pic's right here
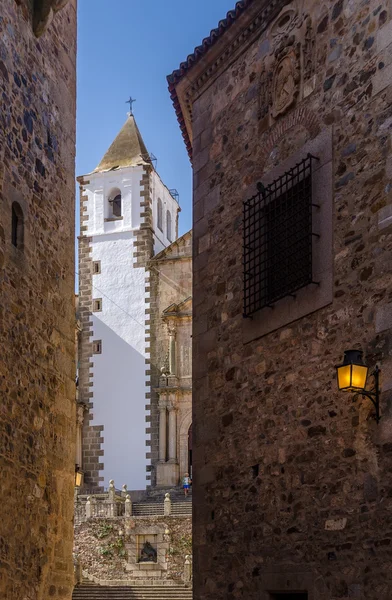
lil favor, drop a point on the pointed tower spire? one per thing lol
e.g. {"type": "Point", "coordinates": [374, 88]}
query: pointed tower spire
{"type": "Point", "coordinates": [127, 150]}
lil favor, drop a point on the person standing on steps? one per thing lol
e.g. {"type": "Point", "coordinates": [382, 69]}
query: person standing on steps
{"type": "Point", "coordinates": [186, 482]}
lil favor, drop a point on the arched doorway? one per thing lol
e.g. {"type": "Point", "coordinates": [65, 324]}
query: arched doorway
{"type": "Point", "coordinates": [190, 451]}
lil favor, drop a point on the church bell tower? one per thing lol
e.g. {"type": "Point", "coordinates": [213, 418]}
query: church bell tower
{"type": "Point", "coordinates": [127, 216]}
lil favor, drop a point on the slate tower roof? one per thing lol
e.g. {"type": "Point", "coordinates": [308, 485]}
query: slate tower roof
{"type": "Point", "coordinates": [127, 150]}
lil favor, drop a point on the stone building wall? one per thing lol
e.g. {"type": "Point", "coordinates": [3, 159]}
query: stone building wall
{"type": "Point", "coordinates": [37, 361]}
{"type": "Point", "coordinates": [170, 312]}
{"type": "Point", "coordinates": [105, 550]}
{"type": "Point", "coordinates": [292, 485]}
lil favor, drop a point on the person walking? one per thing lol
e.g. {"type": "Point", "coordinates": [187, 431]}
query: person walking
{"type": "Point", "coordinates": [186, 482]}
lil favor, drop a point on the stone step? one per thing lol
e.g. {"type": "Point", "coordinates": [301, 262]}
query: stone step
{"type": "Point", "coordinates": [88, 592]}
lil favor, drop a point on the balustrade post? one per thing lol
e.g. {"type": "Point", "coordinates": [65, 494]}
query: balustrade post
{"type": "Point", "coordinates": [111, 491]}
{"type": "Point", "coordinates": [188, 569]}
{"type": "Point", "coordinates": [167, 505]}
{"type": "Point", "coordinates": [128, 506]}
{"type": "Point", "coordinates": [88, 508]}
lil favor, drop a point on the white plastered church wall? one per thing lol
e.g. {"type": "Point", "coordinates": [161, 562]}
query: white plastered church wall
{"type": "Point", "coordinates": [160, 191]}
{"type": "Point", "coordinates": [118, 373]}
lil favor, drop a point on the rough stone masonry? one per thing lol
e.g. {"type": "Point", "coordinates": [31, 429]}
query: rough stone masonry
{"type": "Point", "coordinates": [37, 370]}
{"type": "Point", "coordinates": [292, 479]}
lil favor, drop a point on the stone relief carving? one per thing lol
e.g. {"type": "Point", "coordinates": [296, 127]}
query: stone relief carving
{"type": "Point", "coordinates": [289, 18]}
{"type": "Point", "coordinates": [81, 408]}
{"type": "Point", "coordinates": [308, 51]}
{"type": "Point", "coordinates": [44, 11]}
{"type": "Point", "coordinates": [286, 77]}
{"type": "Point", "coordinates": [288, 70]}
{"type": "Point", "coordinates": [264, 93]}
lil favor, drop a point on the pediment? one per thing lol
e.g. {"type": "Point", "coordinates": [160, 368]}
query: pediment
{"type": "Point", "coordinates": [183, 309]}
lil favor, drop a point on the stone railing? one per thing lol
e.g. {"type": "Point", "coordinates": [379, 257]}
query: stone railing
{"type": "Point", "coordinates": [119, 504]}
{"type": "Point", "coordinates": [110, 504]}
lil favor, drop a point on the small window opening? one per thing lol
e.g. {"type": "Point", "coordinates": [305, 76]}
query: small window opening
{"type": "Point", "coordinates": [97, 346]}
{"type": "Point", "coordinates": [255, 471]}
{"type": "Point", "coordinates": [17, 226]}
{"type": "Point", "coordinates": [168, 226]}
{"type": "Point", "coordinates": [97, 305]}
{"type": "Point", "coordinates": [97, 267]}
{"type": "Point", "coordinates": [115, 202]}
{"type": "Point", "coordinates": [160, 215]}
{"type": "Point", "coordinates": [117, 206]}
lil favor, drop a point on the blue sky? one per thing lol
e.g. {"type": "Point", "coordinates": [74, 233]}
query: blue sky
{"type": "Point", "coordinates": [127, 47]}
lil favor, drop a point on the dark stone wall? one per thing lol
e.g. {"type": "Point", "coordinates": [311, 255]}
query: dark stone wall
{"type": "Point", "coordinates": [292, 484]}
{"type": "Point", "coordinates": [37, 334]}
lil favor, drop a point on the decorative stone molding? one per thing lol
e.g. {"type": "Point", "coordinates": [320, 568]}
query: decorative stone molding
{"type": "Point", "coordinates": [308, 57]}
{"type": "Point", "coordinates": [291, 17]}
{"type": "Point", "coordinates": [42, 12]}
{"type": "Point", "coordinates": [302, 115]}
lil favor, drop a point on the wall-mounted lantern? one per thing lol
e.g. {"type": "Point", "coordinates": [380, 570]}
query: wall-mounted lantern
{"type": "Point", "coordinates": [78, 476]}
{"type": "Point", "coordinates": [352, 376]}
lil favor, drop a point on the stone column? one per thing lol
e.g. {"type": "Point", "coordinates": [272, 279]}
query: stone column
{"type": "Point", "coordinates": [172, 350]}
{"type": "Point", "coordinates": [172, 433]}
{"type": "Point", "coordinates": [79, 427]}
{"type": "Point", "coordinates": [162, 429]}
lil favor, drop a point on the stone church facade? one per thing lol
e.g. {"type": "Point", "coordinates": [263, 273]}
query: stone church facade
{"type": "Point", "coordinates": [37, 361]}
{"type": "Point", "coordinates": [134, 314]}
{"type": "Point", "coordinates": [286, 110]}
{"type": "Point", "coordinates": [170, 278]}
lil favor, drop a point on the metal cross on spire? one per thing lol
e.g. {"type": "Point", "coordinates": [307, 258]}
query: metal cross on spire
{"type": "Point", "coordinates": [130, 102]}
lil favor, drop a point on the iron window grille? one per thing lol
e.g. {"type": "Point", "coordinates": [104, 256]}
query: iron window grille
{"type": "Point", "coordinates": [278, 238]}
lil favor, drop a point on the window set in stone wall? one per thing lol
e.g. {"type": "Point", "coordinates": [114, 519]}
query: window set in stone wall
{"type": "Point", "coordinates": [278, 232]}
{"type": "Point", "coordinates": [287, 244]}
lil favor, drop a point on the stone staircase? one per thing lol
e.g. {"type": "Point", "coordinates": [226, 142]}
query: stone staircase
{"type": "Point", "coordinates": [154, 509]}
{"type": "Point", "coordinates": [142, 592]}
{"type": "Point", "coordinates": [158, 495]}
{"type": "Point", "coordinates": [152, 505]}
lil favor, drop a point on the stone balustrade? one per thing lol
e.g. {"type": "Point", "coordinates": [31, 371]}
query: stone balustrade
{"type": "Point", "coordinates": [114, 503]}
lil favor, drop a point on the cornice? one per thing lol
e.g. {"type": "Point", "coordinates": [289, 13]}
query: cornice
{"type": "Point", "coordinates": [217, 52]}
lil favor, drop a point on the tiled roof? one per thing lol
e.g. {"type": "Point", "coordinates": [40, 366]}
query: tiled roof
{"type": "Point", "coordinates": [197, 54]}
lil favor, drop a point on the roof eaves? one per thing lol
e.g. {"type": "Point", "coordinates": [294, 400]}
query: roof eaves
{"type": "Point", "coordinates": [198, 53]}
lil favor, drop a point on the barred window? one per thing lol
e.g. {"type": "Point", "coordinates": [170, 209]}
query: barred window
{"type": "Point", "coordinates": [278, 238]}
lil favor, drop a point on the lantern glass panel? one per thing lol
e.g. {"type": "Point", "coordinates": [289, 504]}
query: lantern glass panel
{"type": "Point", "coordinates": [359, 376]}
{"type": "Point", "coordinates": [78, 479]}
{"type": "Point", "coordinates": [344, 377]}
